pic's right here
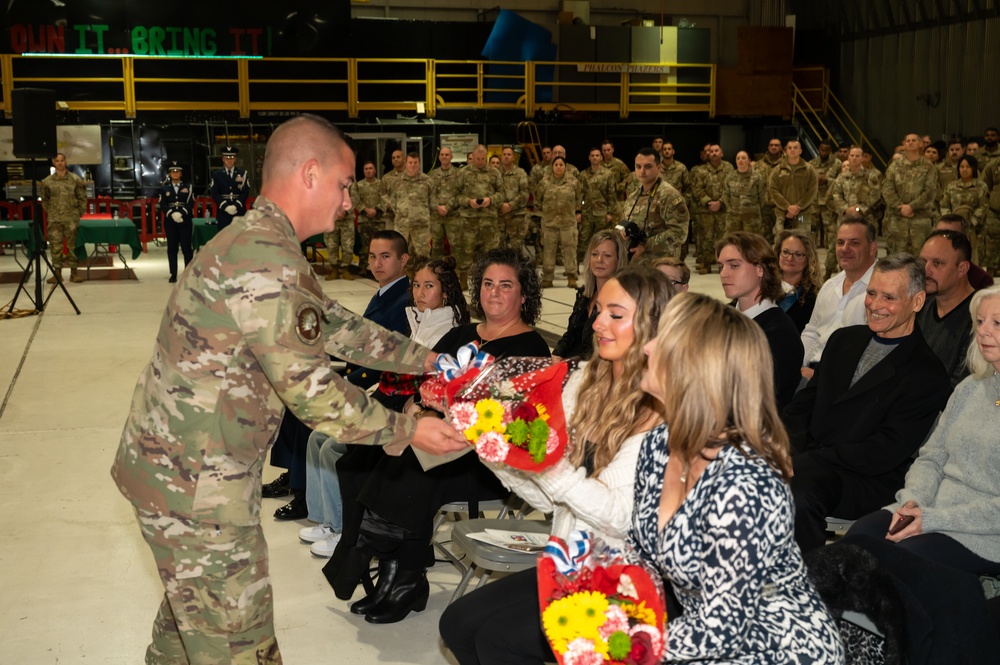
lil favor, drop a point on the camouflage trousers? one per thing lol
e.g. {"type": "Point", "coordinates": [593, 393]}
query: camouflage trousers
{"type": "Point", "coordinates": [829, 220]}
{"type": "Point", "coordinates": [709, 228]}
{"type": "Point", "coordinates": [989, 248]}
{"type": "Point", "coordinates": [512, 228]}
{"type": "Point", "coordinates": [340, 243]}
{"type": "Point", "coordinates": [476, 235]}
{"type": "Point", "coordinates": [437, 230]}
{"type": "Point", "coordinates": [417, 233]}
{"type": "Point", "coordinates": [748, 220]}
{"type": "Point", "coordinates": [58, 232]}
{"type": "Point", "coordinates": [366, 227]}
{"type": "Point", "coordinates": [589, 225]}
{"type": "Point", "coordinates": [906, 234]}
{"type": "Point", "coordinates": [556, 233]}
{"type": "Point", "coordinates": [766, 213]}
{"type": "Point", "coordinates": [218, 607]}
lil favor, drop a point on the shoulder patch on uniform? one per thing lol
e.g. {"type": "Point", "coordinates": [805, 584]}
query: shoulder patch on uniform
{"type": "Point", "coordinates": [307, 323]}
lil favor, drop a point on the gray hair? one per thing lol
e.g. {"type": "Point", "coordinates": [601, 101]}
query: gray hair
{"type": "Point", "coordinates": [978, 365]}
{"type": "Point", "coordinates": [911, 265]}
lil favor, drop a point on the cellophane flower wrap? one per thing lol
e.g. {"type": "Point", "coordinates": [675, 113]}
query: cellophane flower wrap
{"type": "Point", "coordinates": [598, 605]}
{"type": "Point", "coordinates": [510, 409]}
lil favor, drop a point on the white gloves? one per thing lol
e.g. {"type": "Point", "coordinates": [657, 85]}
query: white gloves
{"type": "Point", "coordinates": [177, 216]}
{"type": "Point", "coordinates": [231, 209]}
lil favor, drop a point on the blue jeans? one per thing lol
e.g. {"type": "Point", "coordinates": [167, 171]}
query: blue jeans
{"type": "Point", "coordinates": [322, 485]}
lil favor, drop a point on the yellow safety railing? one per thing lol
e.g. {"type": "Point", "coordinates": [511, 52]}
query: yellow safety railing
{"type": "Point", "coordinates": [127, 85]}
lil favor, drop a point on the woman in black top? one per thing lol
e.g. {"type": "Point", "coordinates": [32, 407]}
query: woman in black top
{"type": "Point", "coordinates": [800, 279]}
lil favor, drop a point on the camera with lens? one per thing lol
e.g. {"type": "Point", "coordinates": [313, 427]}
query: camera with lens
{"type": "Point", "coordinates": [634, 236]}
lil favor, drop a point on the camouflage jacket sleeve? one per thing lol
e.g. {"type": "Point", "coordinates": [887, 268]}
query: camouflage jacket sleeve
{"type": "Point", "coordinates": [699, 185]}
{"type": "Point", "coordinates": [356, 202]}
{"type": "Point", "coordinates": [777, 198]}
{"type": "Point", "coordinates": [809, 196]}
{"type": "Point", "coordinates": [925, 200]}
{"type": "Point", "coordinates": [673, 218]}
{"type": "Point", "coordinates": [80, 190]}
{"type": "Point", "coordinates": [44, 194]}
{"type": "Point", "coordinates": [520, 200]}
{"type": "Point", "coordinates": [983, 198]}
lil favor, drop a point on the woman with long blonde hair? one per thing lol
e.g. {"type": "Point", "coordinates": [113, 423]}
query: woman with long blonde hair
{"type": "Point", "coordinates": [713, 509]}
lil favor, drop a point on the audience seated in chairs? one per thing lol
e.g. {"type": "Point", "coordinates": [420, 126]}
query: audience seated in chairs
{"type": "Point", "coordinates": [857, 424]}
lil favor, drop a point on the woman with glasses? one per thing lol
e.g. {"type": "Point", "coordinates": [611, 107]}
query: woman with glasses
{"type": "Point", "coordinates": [800, 280]}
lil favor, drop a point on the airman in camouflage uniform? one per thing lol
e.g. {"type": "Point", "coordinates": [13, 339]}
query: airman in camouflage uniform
{"type": "Point", "coordinates": [910, 193]}
{"type": "Point", "coordinates": [827, 169]}
{"type": "Point", "coordinates": [623, 177]}
{"type": "Point", "coordinates": [479, 188]}
{"type": "Point", "coordinates": [385, 189]}
{"type": "Point", "coordinates": [513, 223]}
{"type": "Point", "coordinates": [340, 244]}
{"type": "Point", "coordinates": [561, 196]}
{"type": "Point", "coordinates": [533, 240]}
{"type": "Point", "coordinates": [677, 174]}
{"type": "Point", "coordinates": [245, 334]}
{"type": "Point", "coordinates": [657, 209]}
{"type": "Point", "coordinates": [743, 196]}
{"type": "Point", "coordinates": [948, 167]}
{"type": "Point", "coordinates": [990, 152]}
{"type": "Point", "coordinates": [367, 198]}
{"type": "Point", "coordinates": [969, 199]}
{"type": "Point", "coordinates": [793, 186]}
{"type": "Point", "coordinates": [768, 161]}
{"type": "Point", "coordinates": [989, 248]}
{"type": "Point", "coordinates": [64, 199]}
{"type": "Point", "coordinates": [600, 202]}
{"type": "Point", "coordinates": [855, 187]}
{"type": "Point", "coordinates": [445, 219]}
{"type": "Point", "coordinates": [707, 184]}
{"type": "Point", "coordinates": [412, 197]}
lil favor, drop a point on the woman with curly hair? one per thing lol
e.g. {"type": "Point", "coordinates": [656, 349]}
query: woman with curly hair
{"type": "Point", "coordinates": [800, 278]}
{"type": "Point", "coordinates": [591, 488]}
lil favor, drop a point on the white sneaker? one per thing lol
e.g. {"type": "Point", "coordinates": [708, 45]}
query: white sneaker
{"type": "Point", "coordinates": [311, 534]}
{"type": "Point", "coordinates": [324, 548]}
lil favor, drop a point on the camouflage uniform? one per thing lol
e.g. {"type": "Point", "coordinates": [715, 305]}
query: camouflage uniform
{"type": "Point", "coordinates": [968, 199]}
{"type": "Point", "coordinates": [412, 197]}
{"type": "Point", "coordinates": [479, 226]}
{"type": "Point", "coordinates": [793, 185]}
{"type": "Point", "coordinates": [533, 239]}
{"type": "Point", "coordinates": [621, 174]}
{"type": "Point", "coordinates": [679, 178]}
{"type": "Point", "coordinates": [64, 199]}
{"type": "Point", "coordinates": [451, 224]}
{"type": "Point", "coordinates": [860, 190]}
{"type": "Point", "coordinates": [764, 166]}
{"type": "Point", "coordinates": [989, 247]}
{"type": "Point", "coordinates": [663, 215]}
{"type": "Point", "coordinates": [513, 226]}
{"type": "Point", "coordinates": [986, 157]}
{"type": "Point", "coordinates": [743, 195]}
{"type": "Point", "coordinates": [599, 199]}
{"type": "Point", "coordinates": [246, 333]}
{"type": "Point", "coordinates": [915, 183]}
{"type": "Point", "coordinates": [947, 174]}
{"type": "Point", "coordinates": [561, 198]}
{"type": "Point", "coordinates": [385, 192]}
{"type": "Point", "coordinates": [365, 194]}
{"type": "Point", "coordinates": [707, 184]}
{"type": "Point", "coordinates": [340, 242]}
{"type": "Point", "coordinates": [824, 219]}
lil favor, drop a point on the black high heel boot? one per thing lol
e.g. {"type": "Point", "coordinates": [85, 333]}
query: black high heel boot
{"type": "Point", "coordinates": [387, 569]}
{"type": "Point", "coordinates": [347, 568]}
{"type": "Point", "coordinates": [409, 593]}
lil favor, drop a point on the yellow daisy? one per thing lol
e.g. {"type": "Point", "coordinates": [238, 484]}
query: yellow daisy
{"type": "Point", "coordinates": [542, 413]}
{"type": "Point", "coordinates": [640, 613]}
{"type": "Point", "coordinates": [490, 415]}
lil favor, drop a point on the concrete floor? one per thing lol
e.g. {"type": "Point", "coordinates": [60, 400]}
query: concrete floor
{"type": "Point", "coordinates": [79, 582]}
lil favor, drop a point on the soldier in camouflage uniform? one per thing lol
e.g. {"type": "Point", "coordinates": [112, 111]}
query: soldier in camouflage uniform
{"type": "Point", "coordinates": [707, 184]}
{"type": "Point", "coordinates": [910, 193]}
{"type": "Point", "coordinates": [533, 240]}
{"type": "Point", "coordinates": [827, 169]}
{"type": "Point", "coordinates": [657, 209]}
{"type": "Point", "coordinates": [412, 197]}
{"type": "Point", "coordinates": [600, 201]}
{"type": "Point", "coordinates": [340, 242]}
{"type": "Point", "coordinates": [445, 219]}
{"type": "Point", "coordinates": [793, 187]}
{"type": "Point", "coordinates": [948, 166]}
{"type": "Point", "coordinates": [64, 199]}
{"type": "Point", "coordinates": [676, 173]}
{"type": "Point", "coordinates": [743, 196]}
{"type": "Point", "coordinates": [561, 196]}
{"type": "Point", "coordinates": [478, 191]}
{"type": "Point", "coordinates": [768, 161]}
{"type": "Point", "coordinates": [856, 187]}
{"type": "Point", "coordinates": [989, 247]}
{"type": "Point", "coordinates": [245, 334]}
{"type": "Point", "coordinates": [623, 177]}
{"type": "Point", "coordinates": [990, 152]}
{"type": "Point", "coordinates": [385, 190]}
{"type": "Point", "coordinates": [513, 224]}
{"type": "Point", "coordinates": [367, 198]}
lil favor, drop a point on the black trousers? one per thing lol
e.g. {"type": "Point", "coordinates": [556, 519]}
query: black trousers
{"type": "Point", "coordinates": [178, 237]}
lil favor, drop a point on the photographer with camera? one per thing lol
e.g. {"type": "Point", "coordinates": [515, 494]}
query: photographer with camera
{"type": "Point", "coordinates": [655, 216]}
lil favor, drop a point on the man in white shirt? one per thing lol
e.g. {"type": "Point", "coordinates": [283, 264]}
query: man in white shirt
{"type": "Point", "coordinates": [841, 300]}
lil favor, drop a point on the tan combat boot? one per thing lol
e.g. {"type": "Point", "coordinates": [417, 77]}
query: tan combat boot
{"type": "Point", "coordinates": [345, 273]}
{"type": "Point", "coordinates": [333, 274]}
{"type": "Point", "coordinates": [56, 277]}
{"type": "Point", "coordinates": [74, 276]}
{"type": "Point", "coordinates": [571, 281]}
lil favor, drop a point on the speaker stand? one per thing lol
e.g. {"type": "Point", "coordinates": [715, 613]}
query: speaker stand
{"type": "Point", "coordinates": [35, 258]}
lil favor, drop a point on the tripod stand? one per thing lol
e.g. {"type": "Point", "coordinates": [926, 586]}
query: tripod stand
{"type": "Point", "coordinates": [36, 254]}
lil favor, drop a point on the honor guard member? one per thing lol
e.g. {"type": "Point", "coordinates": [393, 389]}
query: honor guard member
{"type": "Point", "coordinates": [412, 197]}
{"type": "Point", "coordinates": [367, 198]}
{"type": "Point", "coordinates": [513, 224]}
{"type": "Point", "coordinates": [827, 169]}
{"type": "Point", "coordinates": [657, 210]}
{"type": "Point", "coordinates": [707, 183]}
{"type": "Point", "coordinates": [764, 166]}
{"type": "Point", "coordinates": [64, 199]}
{"type": "Point", "coordinates": [624, 180]}
{"type": "Point", "coordinates": [793, 186]}
{"type": "Point", "coordinates": [743, 196]}
{"type": "Point", "coordinates": [230, 188]}
{"type": "Point", "coordinates": [445, 220]}
{"type": "Point", "coordinates": [388, 180]}
{"type": "Point", "coordinates": [244, 336]}
{"type": "Point", "coordinates": [910, 190]}
{"type": "Point", "coordinates": [479, 189]}
{"type": "Point", "coordinates": [856, 188]}
{"type": "Point", "coordinates": [600, 201]}
{"type": "Point", "coordinates": [177, 206]}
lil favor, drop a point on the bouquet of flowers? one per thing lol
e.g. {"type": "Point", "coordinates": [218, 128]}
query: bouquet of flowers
{"type": "Point", "coordinates": [596, 607]}
{"type": "Point", "coordinates": [510, 409]}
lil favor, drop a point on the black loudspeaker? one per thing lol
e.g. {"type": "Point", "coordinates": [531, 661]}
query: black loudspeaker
{"type": "Point", "coordinates": [34, 115]}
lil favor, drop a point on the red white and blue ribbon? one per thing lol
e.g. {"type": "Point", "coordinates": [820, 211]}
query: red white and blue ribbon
{"type": "Point", "coordinates": [569, 555]}
{"type": "Point", "coordinates": [468, 357]}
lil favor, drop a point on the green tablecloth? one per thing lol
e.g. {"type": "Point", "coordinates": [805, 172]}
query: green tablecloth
{"type": "Point", "coordinates": [107, 232]}
{"type": "Point", "coordinates": [15, 231]}
{"type": "Point", "coordinates": [205, 229]}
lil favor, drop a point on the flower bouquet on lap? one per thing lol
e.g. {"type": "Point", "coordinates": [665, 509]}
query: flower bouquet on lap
{"type": "Point", "coordinates": [598, 607]}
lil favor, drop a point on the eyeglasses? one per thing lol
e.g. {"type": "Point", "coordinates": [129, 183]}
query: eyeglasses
{"type": "Point", "coordinates": [676, 283]}
{"type": "Point", "coordinates": [798, 256]}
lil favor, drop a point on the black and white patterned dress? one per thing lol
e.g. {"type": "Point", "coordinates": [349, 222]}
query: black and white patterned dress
{"type": "Point", "coordinates": [730, 556]}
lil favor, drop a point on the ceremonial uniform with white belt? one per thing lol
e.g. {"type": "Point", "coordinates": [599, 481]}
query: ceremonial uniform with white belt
{"type": "Point", "coordinates": [177, 206]}
{"type": "Point", "coordinates": [230, 189]}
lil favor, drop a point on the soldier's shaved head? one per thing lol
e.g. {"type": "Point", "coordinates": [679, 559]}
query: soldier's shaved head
{"type": "Point", "coordinates": [297, 140]}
